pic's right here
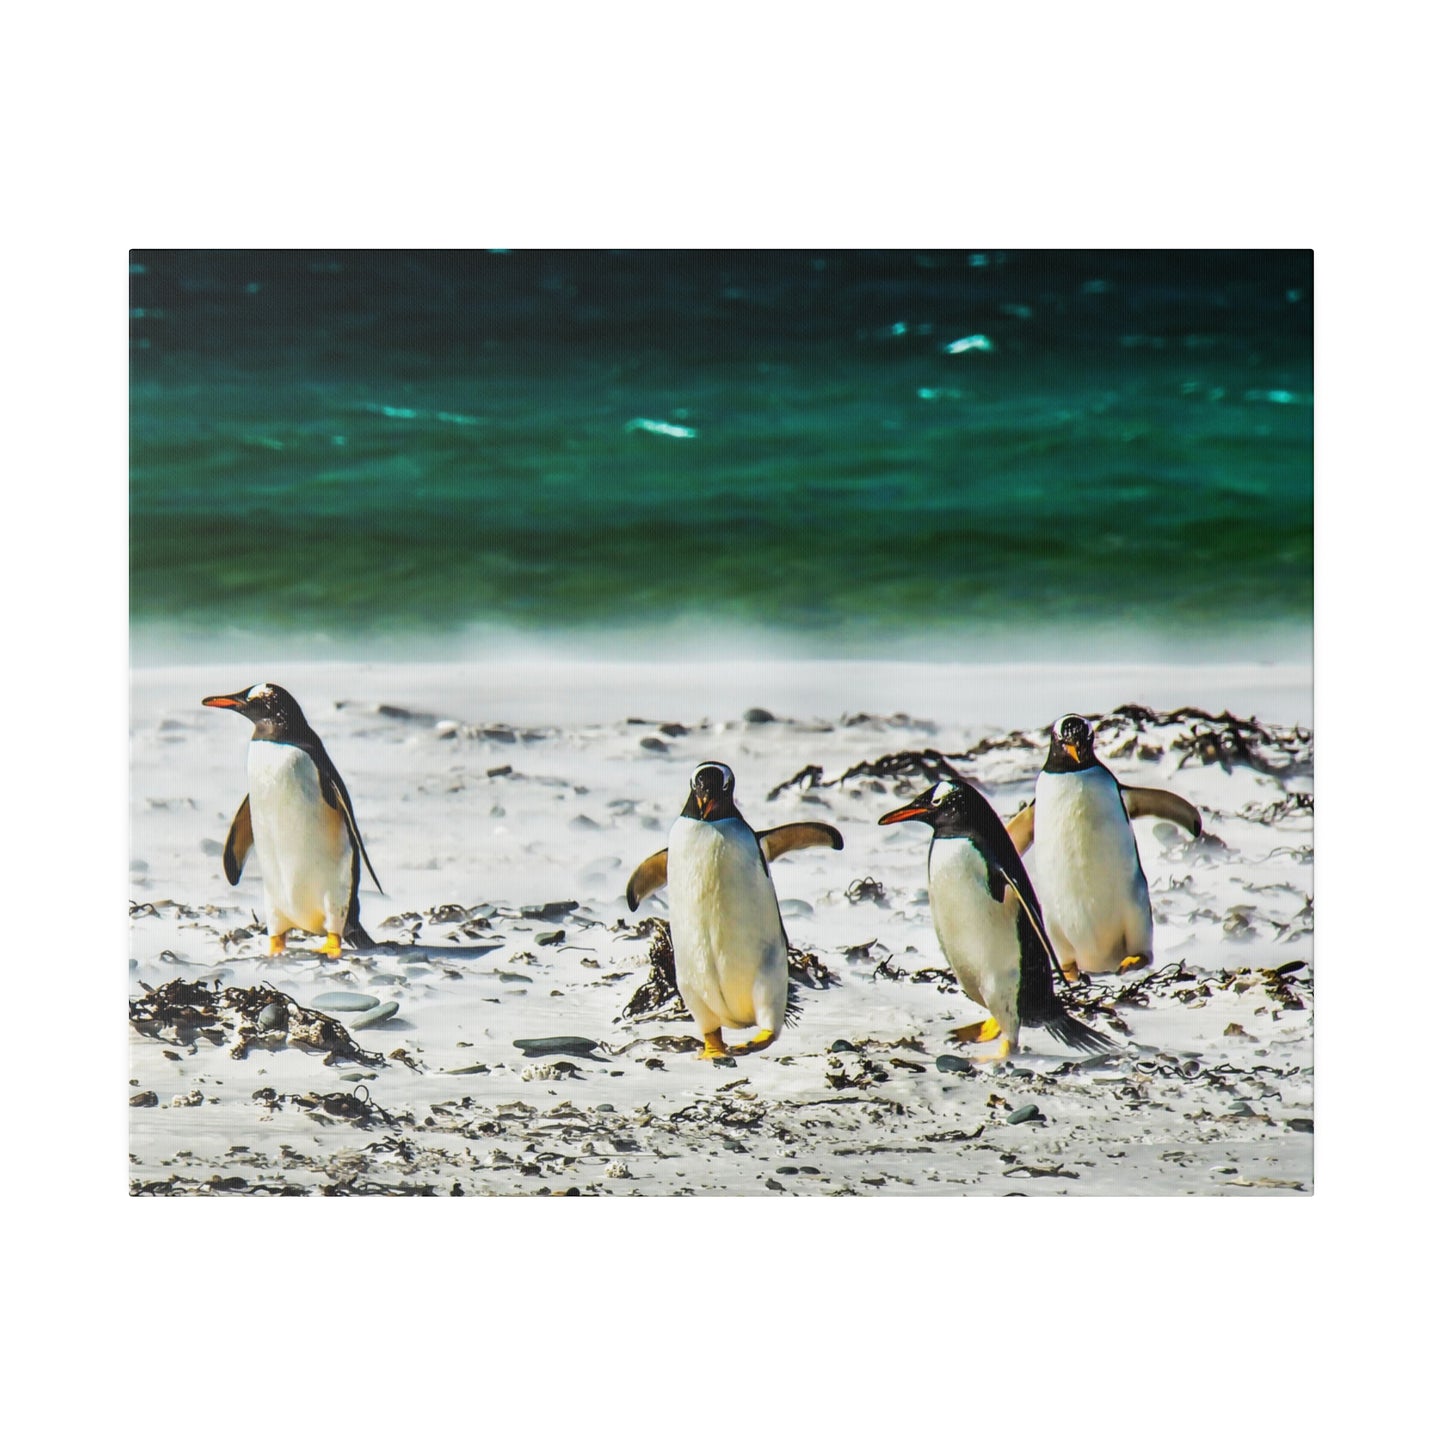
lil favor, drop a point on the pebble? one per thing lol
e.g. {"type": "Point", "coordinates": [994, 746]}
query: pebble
{"type": "Point", "coordinates": [1301, 1126]}
{"type": "Point", "coordinates": [653, 745]}
{"type": "Point", "coordinates": [373, 1016]}
{"type": "Point", "coordinates": [273, 1016]}
{"type": "Point", "coordinates": [842, 1046]}
{"type": "Point", "coordinates": [355, 1076]}
{"type": "Point", "coordinates": [550, 912]}
{"type": "Point", "coordinates": [607, 1108]}
{"type": "Point", "coordinates": [555, 936]}
{"type": "Point", "coordinates": [345, 1002]}
{"type": "Point", "coordinates": [952, 1064]}
{"type": "Point", "coordinates": [147, 1100]}
{"type": "Point", "coordinates": [562, 1044]}
{"type": "Point", "coordinates": [758, 715]}
{"type": "Point", "coordinates": [796, 908]}
{"type": "Point", "coordinates": [1024, 1113]}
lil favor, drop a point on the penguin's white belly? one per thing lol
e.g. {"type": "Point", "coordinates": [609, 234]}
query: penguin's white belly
{"type": "Point", "coordinates": [978, 934]}
{"type": "Point", "coordinates": [1086, 869]}
{"type": "Point", "coordinates": [727, 937]}
{"type": "Point", "coordinates": [301, 844]}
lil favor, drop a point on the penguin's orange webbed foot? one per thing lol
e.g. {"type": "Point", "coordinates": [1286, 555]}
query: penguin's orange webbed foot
{"type": "Point", "coordinates": [1135, 960]}
{"type": "Point", "coordinates": [713, 1046]}
{"type": "Point", "coordinates": [1004, 1050]}
{"type": "Point", "coordinates": [979, 1033]}
{"type": "Point", "coordinates": [1070, 971]}
{"type": "Point", "coordinates": [758, 1042]}
{"type": "Point", "coordinates": [277, 944]}
{"type": "Point", "coordinates": [332, 947]}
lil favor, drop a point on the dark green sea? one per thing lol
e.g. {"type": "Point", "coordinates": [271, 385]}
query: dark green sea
{"type": "Point", "coordinates": [843, 452]}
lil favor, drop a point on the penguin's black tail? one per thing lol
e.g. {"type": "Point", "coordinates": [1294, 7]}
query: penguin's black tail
{"type": "Point", "coordinates": [357, 936]}
{"type": "Point", "coordinates": [1075, 1035]}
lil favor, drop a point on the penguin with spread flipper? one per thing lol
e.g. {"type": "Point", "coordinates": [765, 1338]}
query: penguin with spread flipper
{"type": "Point", "coordinates": [1086, 862]}
{"type": "Point", "coordinates": [728, 941]}
{"type": "Point", "coordinates": [988, 921]}
{"type": "Point", "coordinates": [298, 818]}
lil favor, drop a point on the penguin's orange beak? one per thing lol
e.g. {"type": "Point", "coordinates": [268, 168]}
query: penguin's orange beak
{"type": "Point", "coordinates": [1073, 750]}
{"type": "Point", "coordinates": [220, 702]}
{"type": "Point", "coordinates": [902, 815]}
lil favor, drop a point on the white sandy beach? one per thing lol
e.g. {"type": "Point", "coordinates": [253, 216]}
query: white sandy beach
{"type": "Point", "coordinates": [485, 792]}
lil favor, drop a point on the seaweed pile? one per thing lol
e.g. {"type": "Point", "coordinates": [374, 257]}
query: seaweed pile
{"type": "Point", "coordinates": [182, 1011]}
{"type": "Point", "coordinates": [1189, 735]}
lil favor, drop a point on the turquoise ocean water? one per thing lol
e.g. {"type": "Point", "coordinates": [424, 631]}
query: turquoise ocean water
{"type": "Point", "coordinates": [1033, 453]}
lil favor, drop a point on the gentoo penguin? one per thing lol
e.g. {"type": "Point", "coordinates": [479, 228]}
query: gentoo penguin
{"type": "Point", "coordinates": [298, 816]}
{"type": "Point", "coordinates": [988, 920]}
{"type": "Point", "coordinates": [727, 934]}
{"type": "Point", "coordinates": [1086, 863]}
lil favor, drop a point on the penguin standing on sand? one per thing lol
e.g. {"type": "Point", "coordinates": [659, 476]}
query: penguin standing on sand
{"type": "Point", "coordinates": [298, 817]}
{"type": "Point", "coordinates": [727, 933]}
{"type": "Point", "coordinates": [988, 921]}
{"type": "Point", "coordinates": [1086, 862]}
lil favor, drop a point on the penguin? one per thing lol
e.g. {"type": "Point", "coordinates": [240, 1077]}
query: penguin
{"type": "Point", "coordinates": [727, 933]}
{"type": "Point", "coordinates": [988, 921]}
{"type": "Point", "coordinates": [1086, 862]}
{"type": "Point", "coordinates": [298, 817]}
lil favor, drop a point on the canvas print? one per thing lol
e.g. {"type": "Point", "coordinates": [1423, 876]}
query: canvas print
{"type": "Point", "coordinates": [738, 723]}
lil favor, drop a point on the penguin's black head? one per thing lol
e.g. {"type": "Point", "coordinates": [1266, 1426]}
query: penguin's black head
{"type": "Point", "coordinates": [710, 796]}
{"type": "Point", "coordinates": [1071, 745]}
{"type": "Point", "coordinates": [274, 711]}
{"type": "Point", "coordinates": [944, 807]}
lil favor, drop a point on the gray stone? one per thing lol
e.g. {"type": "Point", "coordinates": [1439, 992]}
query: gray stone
{"type": "Point", "coordinates": [1024, 1113]}
{"type": "Point", "coordinates": [562, 1044]}
{"type": "Point", "coordinates": [273, 1016]}
{"type": "Point", "coordinates": [344, 1002]}
{"type": "Point", "coordinates": [842, 1046]}
{"type": "Point", "coordinates": [374, 1016]}
{"type": "Point", "coordinates": [952, 1064]}
{"type": "Point", "coordinates": [758, 715]}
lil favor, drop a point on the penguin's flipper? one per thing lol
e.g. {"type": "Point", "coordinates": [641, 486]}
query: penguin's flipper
{"type": "Point", "coordinates": [792, 836]}
{"type": "Point", "coordinates": [333, 790]}
{"type": "Point", "coordinates": [1030, 911]}
{"type": "Point", "coordinates": [1158, 803]}
{"type": "Point", "coordinates": [238, 842]}
{"type": "Point", "coordinates": [647, 877]}
{"type": "Point", "coordinates": [1021, 828]}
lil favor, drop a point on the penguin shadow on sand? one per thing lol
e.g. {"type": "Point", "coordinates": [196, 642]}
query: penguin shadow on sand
{"type": "Point", "coordinates": [728, 940]}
